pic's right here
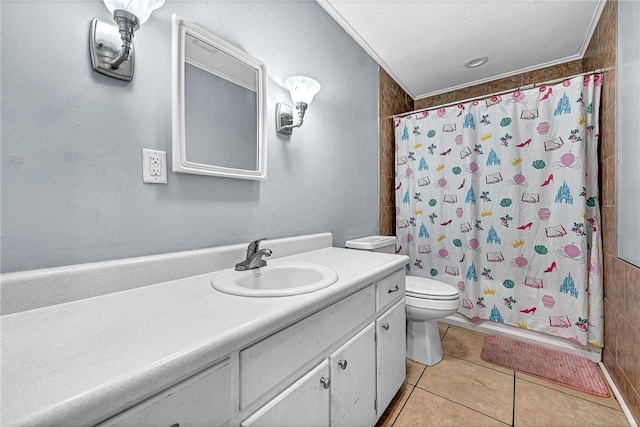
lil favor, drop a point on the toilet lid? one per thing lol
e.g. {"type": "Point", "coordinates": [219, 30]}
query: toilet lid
{"type": "Point", "coordinates": [421, 287]}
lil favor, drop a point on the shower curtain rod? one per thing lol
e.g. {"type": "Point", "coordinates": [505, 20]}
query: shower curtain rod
{"type": "Point", "coordinates": [525, 87]}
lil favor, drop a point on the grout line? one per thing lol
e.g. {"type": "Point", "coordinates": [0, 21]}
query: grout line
{"type": "Point", "coordinates": [458, 403]}
{"type": "Point", "coordinates": [483, 366]}
{"type": "Point", "coordinates": [613, 105]}
{"type": "Point", "coordinates": [403, 405]}
{"type": "Point", "coordinates": [607, 158]}
{"type": "Point", "coordinates": [464, 406]}
{"type": "Point", "coordinates": [445, 332]}
{"type": "Point", "coordinates": [573, 395]}
{"type": "Point", "coordinates": [421, 374]}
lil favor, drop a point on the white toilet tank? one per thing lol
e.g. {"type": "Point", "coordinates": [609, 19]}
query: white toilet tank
{"type": "Point", "coordinates": [385, 244]}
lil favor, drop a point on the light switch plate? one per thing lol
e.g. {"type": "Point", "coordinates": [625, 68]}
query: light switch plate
{"type": "Point", "coordinates": [154, 166]}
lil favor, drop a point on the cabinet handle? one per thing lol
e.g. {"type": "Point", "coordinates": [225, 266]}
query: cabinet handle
{"type": "Point", "coordinates": [396, 289]}
{"type": "Point", "coordinates": [326, 382]}
{"type": "Point", "coordinates": [342, 363]}
{"type": "Point", "coordinates": [385, 326]}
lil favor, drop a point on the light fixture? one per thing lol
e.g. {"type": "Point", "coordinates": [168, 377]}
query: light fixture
{"type": "Point", "coordinates": [111, 46]}
{"type": "Point", "coordinates": [302, 90]}
{"type": "Point", "coordinates": [476, 62]}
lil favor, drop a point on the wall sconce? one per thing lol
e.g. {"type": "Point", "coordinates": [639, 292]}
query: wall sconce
{"type": "Point", "coordinates": [111, 49]}
{"type": "Point", "coordinates": [302, 90]}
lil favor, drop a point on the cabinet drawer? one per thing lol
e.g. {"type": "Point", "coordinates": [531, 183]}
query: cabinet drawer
{"type": "Point", "coordinates": [202, 400]}
{"type": "Point", "coordinates": [268, 363]}
{"type": "Point", "coordinates": [389, 289]}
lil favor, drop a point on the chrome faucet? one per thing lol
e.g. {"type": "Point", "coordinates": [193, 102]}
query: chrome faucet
{"type": "Point", "coordinates": [254, 257]}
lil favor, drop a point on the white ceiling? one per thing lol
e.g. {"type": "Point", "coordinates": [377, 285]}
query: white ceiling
{"type": "Point", "coordinates": [424, 44]}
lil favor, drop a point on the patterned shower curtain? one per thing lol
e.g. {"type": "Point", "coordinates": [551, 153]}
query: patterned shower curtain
{"type": "Point", "coordinates": [499, 197]}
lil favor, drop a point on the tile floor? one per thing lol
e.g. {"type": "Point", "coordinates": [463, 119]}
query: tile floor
{"type": "Point", "coordinates": [464, 390]}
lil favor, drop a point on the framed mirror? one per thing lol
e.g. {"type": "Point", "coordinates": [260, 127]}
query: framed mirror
{"type": "Point", "coordinates": [218, 106]}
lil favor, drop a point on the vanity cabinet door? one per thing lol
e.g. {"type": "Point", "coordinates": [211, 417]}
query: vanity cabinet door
{"type": "Point", "coordinates": [353, 382]}
{"type": "Point", "coordinates": [303, 404]}
{"type": "Point", "coordinates": [391, 353]}
{"type": "Point", "coordinates": [269, 363]}
{"type": "Point", "coordinates": [202, 400]}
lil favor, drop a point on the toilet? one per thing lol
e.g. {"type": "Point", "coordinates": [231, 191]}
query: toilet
{"type": "Point", "coordinates": [427, 301]}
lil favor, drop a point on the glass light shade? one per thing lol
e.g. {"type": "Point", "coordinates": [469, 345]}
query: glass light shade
{"type": "Point", "coordinates": [140, 8]}
{"type": "Point", "coordinates": [302, 89]}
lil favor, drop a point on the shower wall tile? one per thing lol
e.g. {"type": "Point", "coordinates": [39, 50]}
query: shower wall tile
{"type": "Point", "coordinates": [632, 399]}
{"type": "Point", "coordinates": [609, 233]}
{"type": "Point", "coordinates": [432, 101]}
{"type": "Point", "coordinates": [608, 189]}
{"type": "Point", "coordinates": [612, 320]}
{"type": "Point", "coordinates": [476, 91]}
{"type": "Point", "coordinates": [503, 84]}
{"type": "Point", "coordinates": [631, 307]}
{"type": "Point", "coordinates": [628, 360]}
{"type": "Point", "coordinates": [608, 133]}
{"type": "Point", "coordinates": [608, 89]}
{"type": "Point", "coordinates": [614, 286]}
{"type": "Point", "coordinates": [393, 100]}
{"type": "Point", "coordinates": [387, 198]}
{"type": "Point", "coordinates": [387, 160]}
{"type": "Point", "coordinates": [608, 33]}
{"type": "Point", "coordinates": [567, 69]}
{"type": "Point", "coordinates": [387, 221]}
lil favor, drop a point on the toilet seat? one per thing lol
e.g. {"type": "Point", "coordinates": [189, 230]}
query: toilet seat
{"type": "Point", "coordinates": [424, 288]}
{"type": "Point", "coordinates": [432, 304]}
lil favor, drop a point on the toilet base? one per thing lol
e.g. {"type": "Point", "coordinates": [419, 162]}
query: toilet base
{"type": "Point", "coordinates": [423, 342]}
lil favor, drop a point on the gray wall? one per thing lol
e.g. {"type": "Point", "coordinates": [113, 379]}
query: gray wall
{"type": "Point", "coordinates": [72, 188]}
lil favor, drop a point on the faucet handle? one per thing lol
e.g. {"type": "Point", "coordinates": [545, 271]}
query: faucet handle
{"type": "Point", "coordinates": [253, 246]}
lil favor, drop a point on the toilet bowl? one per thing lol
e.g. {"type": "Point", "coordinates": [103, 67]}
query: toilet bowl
{"type": "Point", "coordinates": [427, 300]}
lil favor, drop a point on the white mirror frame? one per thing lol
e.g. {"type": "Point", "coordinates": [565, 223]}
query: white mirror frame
{"type": "Point", "coordinates": [180, 28]}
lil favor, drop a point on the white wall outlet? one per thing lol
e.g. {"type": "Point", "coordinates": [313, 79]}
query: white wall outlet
{"type": "Point", "coordinates": [154, 166]}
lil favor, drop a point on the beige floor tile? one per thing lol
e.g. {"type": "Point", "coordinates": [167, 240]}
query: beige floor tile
{"type": "Point", "coordinates": [467, 345]}
{"type": "Point", "coordinates": [536, 405]}
{"type": "Point", "coordinates": [442, 328]}
{"type": "Point", "coordinates": [610, 401]}
{"type": "Point", "coordinates": [414, 371]}
{"type": "Point", "coordinates": [485, 390]}
{"type": "Point", "coordinates": [395, 407]}
{"type": "Point", "coordinates": [427, 409]}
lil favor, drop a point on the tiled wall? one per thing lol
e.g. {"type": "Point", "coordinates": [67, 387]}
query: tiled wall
{"type": "Point", "coordinates": [621, 279]}
{"type": "Point", "coordinates": [393, 100]}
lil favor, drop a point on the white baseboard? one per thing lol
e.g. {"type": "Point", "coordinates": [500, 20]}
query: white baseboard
{"type": "Point", "coordinates": [618, 396]}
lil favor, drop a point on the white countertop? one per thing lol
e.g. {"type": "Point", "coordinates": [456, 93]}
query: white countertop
{"type": "Point", "coordinates": [70, 364]}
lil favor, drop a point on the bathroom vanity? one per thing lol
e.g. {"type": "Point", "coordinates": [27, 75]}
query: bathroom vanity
{"type": "Point", "coordinates": [181, 353]}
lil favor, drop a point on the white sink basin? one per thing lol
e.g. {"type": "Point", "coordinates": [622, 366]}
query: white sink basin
{"type": "Point", "coordinates": [277, 279]}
